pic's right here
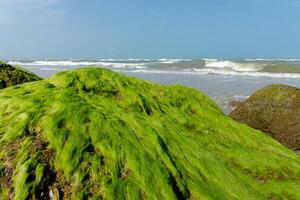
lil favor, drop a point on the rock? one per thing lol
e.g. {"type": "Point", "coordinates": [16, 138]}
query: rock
{"type": "Point", "coordinates": [10, 75]}
{"type": "Point", "coordinates": [96, 134]}
{"type": "Point", "coordinates": [274, 109]}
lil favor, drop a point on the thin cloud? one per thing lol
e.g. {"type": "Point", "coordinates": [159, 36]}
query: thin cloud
{"type": "Point", "coordinates": [29, 3]}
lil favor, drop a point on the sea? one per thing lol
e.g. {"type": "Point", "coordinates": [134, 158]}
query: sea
{"type": "Point", "coordinates": [224, 80]}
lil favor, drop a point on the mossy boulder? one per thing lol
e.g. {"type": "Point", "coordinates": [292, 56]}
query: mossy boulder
{"type": "Point", "coordinates": [274, 109]}
{"type": "Point", "coordinates": [96, 134]}
{"type": "Point", "coordinates": [10, 75]}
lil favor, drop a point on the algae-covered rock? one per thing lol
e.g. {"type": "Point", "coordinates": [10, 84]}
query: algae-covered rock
{"type": "Point", "coordinates": [96, 134]}
{"type": "Point", "coordinates": [274, 109]}
{"type": "Point", "coordinates": [10, 75]}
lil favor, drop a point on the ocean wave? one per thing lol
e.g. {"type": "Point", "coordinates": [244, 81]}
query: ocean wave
{"type": "Point", "coordinates": [173, 66]}
{"type": "Point", "coordinates": [232, 65]}
{"type": "Point", "coordinates": [119, 63]}
{"type": "Point", "coordinates": [70, 63]}
{"type": "Point", "coordinates": [246, 73]}
{"type": "Point", "coordinates": [52, 69]}
{"type": "Point", "coordinates": [241, 97]}
{"type": "Point", "coordinates": [172, 61]}
{"type": "Point", "coordinates": [272, 59]}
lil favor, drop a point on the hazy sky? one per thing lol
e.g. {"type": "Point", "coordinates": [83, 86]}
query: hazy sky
{"type": "Point", "coordinates": [149, 29]}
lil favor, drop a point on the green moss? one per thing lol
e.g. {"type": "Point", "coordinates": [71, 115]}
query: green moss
{"type": "Point", "coordinates": [93, 133]}
{"type": "Point", "coordinates": [10, 75]}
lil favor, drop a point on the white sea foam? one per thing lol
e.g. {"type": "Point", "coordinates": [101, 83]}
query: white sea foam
{"type": "Point", "coordinates": [114, 63]}
{"type": "Point", "coordinates": [209, 59]}
{"type": "Point", "coordinates": [272, 59]}
{"type": "Point", "coordinates": [171, 61]}
{"type": "Point", "coordinates": [71, 63]}
{"type": "Point", "coordinates": [235, 66]}
{"type": "Point", "coordinates": [50, 63]}
{"type": "Point", "coordinates": [241, 97]}
{"type": "Point", "coordinates": [246, 73]}
{"type": "Point", "coordinates": [52, 69]}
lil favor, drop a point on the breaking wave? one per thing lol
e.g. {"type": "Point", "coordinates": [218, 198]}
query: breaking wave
{"type": "Point", "coordinates": [234, 66]}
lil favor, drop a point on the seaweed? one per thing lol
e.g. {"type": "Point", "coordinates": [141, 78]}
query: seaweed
{"type": "Point", "coordinates": [96, 134]}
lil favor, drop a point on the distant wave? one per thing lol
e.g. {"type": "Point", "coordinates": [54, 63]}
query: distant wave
{"type": "Point", "coordinates": [247, 73]}
{"type": "Point", "coordinates": [270, 59]}
{"type": "Point", "coordinates": [77, 63]}
{"type": "Point", "coordinates": [275, 68]}
{"type": "Point", "coordinates": [116, 63]}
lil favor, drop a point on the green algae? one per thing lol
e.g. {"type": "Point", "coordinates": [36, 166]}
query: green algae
{"type": "Point", "coordinates": [96, 134]}
{"type": "Point", "coordinates": [10, 75]}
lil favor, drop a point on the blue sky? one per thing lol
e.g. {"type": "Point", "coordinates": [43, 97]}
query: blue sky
{"type": "Point", "coordinates": [149, 29]}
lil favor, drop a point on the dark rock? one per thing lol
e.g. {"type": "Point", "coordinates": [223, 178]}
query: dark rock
{"type": "Point", "coordinates": [10, 75]}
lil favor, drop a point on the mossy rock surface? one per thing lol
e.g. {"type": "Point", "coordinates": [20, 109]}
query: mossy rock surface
{"type": "Point", "coordinates": [96, 134]}
{"type": "Point", "coordinates": [274, 109]}
{"type": "Point", "coordinates": [10, 75]}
